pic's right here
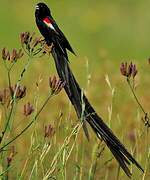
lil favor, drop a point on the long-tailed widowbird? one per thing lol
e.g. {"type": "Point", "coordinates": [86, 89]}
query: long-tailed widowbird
{"type": "Point", "coordinates": [53, 35]}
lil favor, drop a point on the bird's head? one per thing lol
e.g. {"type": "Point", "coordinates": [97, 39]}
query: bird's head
{"type": "Point", "coordinates": [42, 10]}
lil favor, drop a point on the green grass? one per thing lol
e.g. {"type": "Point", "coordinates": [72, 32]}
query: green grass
{"type": "Point", "coordinates": [105, 33]}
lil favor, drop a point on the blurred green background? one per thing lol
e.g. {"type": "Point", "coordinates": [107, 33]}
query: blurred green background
{"type": "Point", "coordinates": [121, 28]}
{"type": "Point", "coordinates": [103, 33]}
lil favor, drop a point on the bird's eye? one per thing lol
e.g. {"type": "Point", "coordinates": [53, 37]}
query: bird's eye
{"type": "Point", "coordinates": [37, 7]}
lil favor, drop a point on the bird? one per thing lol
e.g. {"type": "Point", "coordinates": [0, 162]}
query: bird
{"type": "Point", "coordinates": [54, 36]}
{"type": "Point", "coordinates": [47, 26]}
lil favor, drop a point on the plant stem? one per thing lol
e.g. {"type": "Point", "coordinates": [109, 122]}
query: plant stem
{"type": "Point", "coordinates": [14, 95]}
{"type": "Point", "coordinates": [136, 97]}
{"type": "Point", "coordinates": [36, 116]}
{"type": "Point", "coordinates": [42, 107]}
{"type": "Point", "coordinates": [21, 76]}
{"type": "Point", "coordinates": [7, 123]}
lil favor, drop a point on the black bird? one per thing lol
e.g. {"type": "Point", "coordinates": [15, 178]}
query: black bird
{"type": "Point", "coordinates": [50, 30]}
{"type": "Point", "coordinates": [53, 35]}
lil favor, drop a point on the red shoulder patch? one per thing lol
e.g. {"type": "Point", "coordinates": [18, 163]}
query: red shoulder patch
{"type": "Point", "coordinates": [47, 20]}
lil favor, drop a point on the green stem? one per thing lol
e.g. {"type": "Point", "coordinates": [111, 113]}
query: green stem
{"type": "Point", "coordinates": [9, 84]}
{"type": "Point", "coordinates": [11, 110]}
{"type": "Point", "coordinates": [36, 116]}
{"type": "Point", "coordinates": [14, 95]}
{"type": "Point", "coordinates": [136, 97]}
{"type": "Point", "coordinates": [7, 123]}
{"type": "Point", "coordinates": [46, 101]}
{"type": "Point", "coordinates": [21, 76]}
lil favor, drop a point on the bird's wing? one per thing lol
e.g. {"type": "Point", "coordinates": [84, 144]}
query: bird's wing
{"type": "Point", "coordinates": [65, 42]}
{"type": "Point", "coordinates": [54, 34]}
{"type": "Point", "coordinates": [49, 23]}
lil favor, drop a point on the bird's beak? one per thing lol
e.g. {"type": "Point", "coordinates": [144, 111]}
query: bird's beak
{"type": "Point", "coordinates": [37, 7]}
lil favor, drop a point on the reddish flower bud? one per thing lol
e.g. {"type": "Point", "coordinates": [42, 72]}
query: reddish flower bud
{"type": "Point", "coordinates": [48, 131]}
{"type": "Point", "coordinates": [134, 71]}
{"type": "Point", "coordinates": [28, 109]}
{"type": "Point", "coordinates": [14, 56]}
{"type": "Point", "coordinates": [11, 155]}
{"type": "Point", "coordinates": [5, 96]}
{"type": "Point", "coordinates": [30, 44]}
{"type": "Point", "coordinates": [18, 91]}
{"type": "Point", "coordinates": [56, 85]}
{"type": "Point", "coordinates": [123, 69]}
{"type": "Point", "coordinates": [128, 70]}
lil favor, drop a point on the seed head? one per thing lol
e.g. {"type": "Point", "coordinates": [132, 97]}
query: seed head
{"type": "Point", "coordinates": [24, 37]}
{"type": "Point", "coordinates": [12, 57]}
{"type": "Point", "coordinates": [123, 69]}
{"type": "Point", "coordinates": [28, 109]}
{"type": "Point", "coordinates": [128, 70]}
{"type": "Point", "coordinates": [18, 91]}
{"type": "Point", "coordinates": [48, 131]}
{"type": "Point", "coordinates": [11, 155]}
{"type": "Point", "coordinates": [56, 85]}
{"type": "Point", "coordinates": [5, 54]}
{"type": "Point", "coordinates": [31, 44]}
{"type": "Point", "coordinates": [134, 71]}
{"type": "Point", "coordinates": [36, 41]}
{"type": "Point", "coordinates": [4, 96]}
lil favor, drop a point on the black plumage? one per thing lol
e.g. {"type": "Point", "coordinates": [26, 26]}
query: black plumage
{"type": "Point", "coordinates": [84, 110]}
{"type": "Point", "coordinates": [50, 30]}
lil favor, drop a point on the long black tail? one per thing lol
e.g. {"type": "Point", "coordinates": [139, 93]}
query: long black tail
{"type": "Point", "coordinates": [84, 109]}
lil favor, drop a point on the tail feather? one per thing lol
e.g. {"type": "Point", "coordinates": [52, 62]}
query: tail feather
{"type": "Point", "coordinates": [122, 159]}
{"type": "Point", "coordinates": [74, 93]}
{"type": "Point", "coordinates": [113, 143]}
